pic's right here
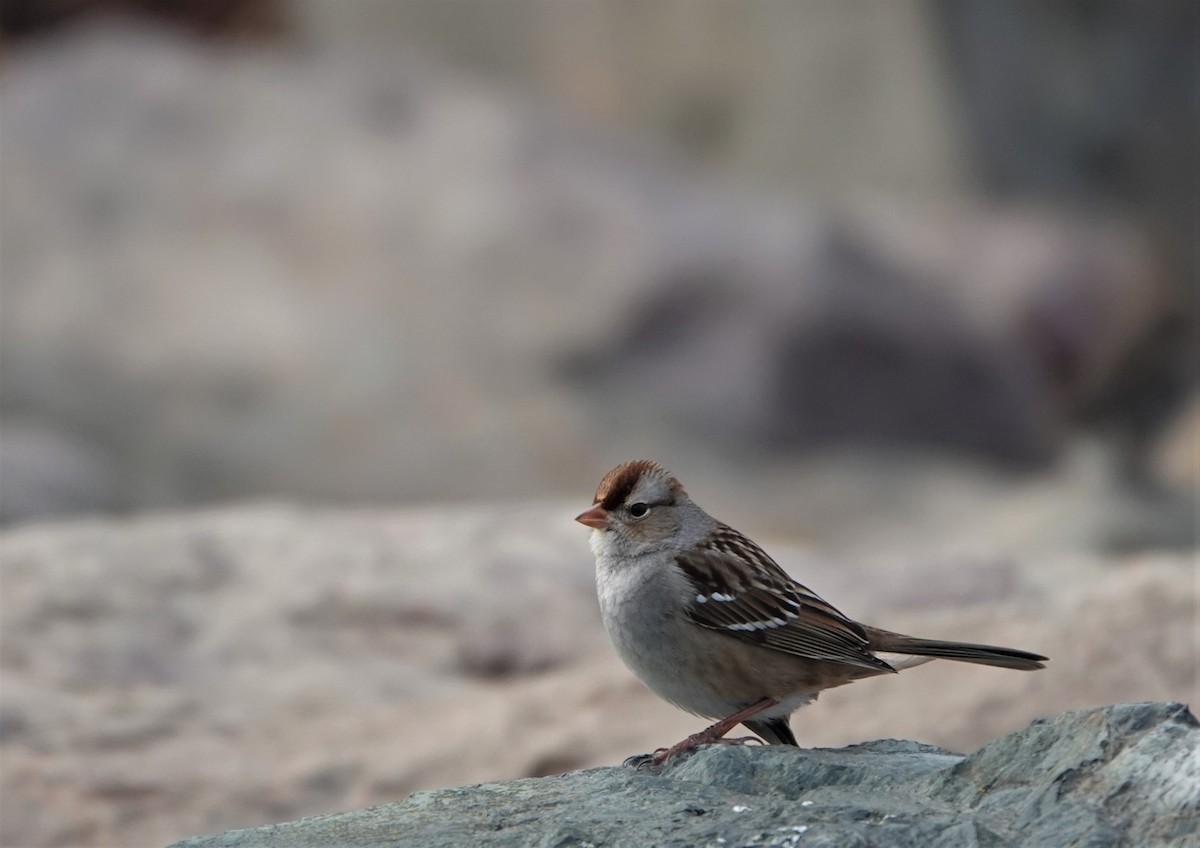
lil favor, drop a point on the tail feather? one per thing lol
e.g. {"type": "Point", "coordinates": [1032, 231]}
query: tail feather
{"type": "Point", "coordinates": [896, 643]}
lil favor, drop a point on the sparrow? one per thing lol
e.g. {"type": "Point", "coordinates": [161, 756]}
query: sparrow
{"type": "Point", "coordinates": [709, 622]}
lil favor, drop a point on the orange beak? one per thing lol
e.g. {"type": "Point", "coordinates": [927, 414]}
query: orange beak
{"type": "Point", "coordinates": [595, 517]}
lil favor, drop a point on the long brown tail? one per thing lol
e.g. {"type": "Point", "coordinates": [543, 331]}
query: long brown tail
{"type": "Point", "coordinates": [896, 643]}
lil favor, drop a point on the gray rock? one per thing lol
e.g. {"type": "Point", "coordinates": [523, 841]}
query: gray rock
{"type": "Point", "coordinates": [49, 472]}
{"type": "Point", "coordinates": [1116, 775]}
{"type": "Point", "coordinates": [217, 263]}
{"type": "Point", "coordinates": [848, 348]}
{"type": "Point", "coordinates": [191, 673]}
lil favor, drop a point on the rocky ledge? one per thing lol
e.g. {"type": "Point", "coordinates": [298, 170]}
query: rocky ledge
{"type": "Point", "coordinates": [1118, 775]}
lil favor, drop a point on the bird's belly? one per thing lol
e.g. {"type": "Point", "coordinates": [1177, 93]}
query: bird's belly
{"type": "Point", "coordinates": [670, 670]}
{"type": "Point", "coordinates": [701, 671]}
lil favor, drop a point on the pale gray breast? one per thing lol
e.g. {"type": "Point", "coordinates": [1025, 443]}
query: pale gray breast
{"type": "Point", "coordinates": [644, 613]}
{"type": "Point", "coordinates": [641, 594]}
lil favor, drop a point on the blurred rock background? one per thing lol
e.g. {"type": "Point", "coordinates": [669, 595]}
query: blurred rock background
{"type": "Point", "coordinates": [908, 288]}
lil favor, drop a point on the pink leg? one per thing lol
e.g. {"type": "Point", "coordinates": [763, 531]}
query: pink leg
{"type": "Point", "coordinates": [714, 733]}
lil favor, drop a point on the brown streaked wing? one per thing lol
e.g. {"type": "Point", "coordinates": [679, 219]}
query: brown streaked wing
{"type": "Point", "coordinates": [766, 607]}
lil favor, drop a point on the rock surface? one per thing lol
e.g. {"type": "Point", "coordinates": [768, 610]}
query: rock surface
{"type": "Point", "coordinates": [191, 673]}
{"type": "Point", "coordinates": [1118, 775]}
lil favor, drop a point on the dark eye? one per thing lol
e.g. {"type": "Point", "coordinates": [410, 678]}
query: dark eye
{"type": "Point", "coordinates": [637, 510]}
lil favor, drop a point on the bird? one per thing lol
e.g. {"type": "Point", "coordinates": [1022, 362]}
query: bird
{"type": "Point", "coordinates": [708, 621]}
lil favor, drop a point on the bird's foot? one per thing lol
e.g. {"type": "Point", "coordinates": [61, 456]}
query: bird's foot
{"type": "Point", "coordinates": [663, 755]}
{"type": "Point", "coordinates": [741, 740]}
{"type": "Point", "coordinates": [639, 761]}
{"type": "Point", "coordinates": [707, 736]}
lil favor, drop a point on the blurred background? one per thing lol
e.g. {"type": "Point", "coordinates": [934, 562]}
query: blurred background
{"type": "Point", "coordinates": [320, 319]}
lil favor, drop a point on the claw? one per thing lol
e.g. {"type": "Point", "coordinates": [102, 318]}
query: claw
{"type": "Point", "coordinates": [708, 736]}
{"type": "Point", "coordinates": [741, 740]}
{"type": "Point", "coordinates": [640, 761]}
